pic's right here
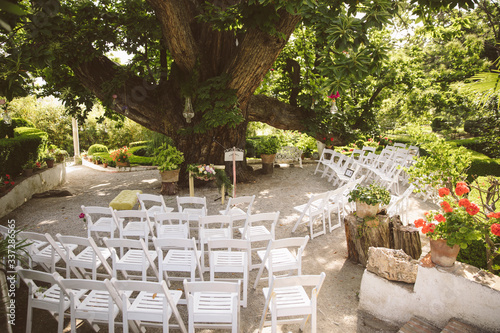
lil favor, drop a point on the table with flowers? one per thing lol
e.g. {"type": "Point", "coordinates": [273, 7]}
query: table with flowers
{"type": "Point", "coordinates": [204, 172]}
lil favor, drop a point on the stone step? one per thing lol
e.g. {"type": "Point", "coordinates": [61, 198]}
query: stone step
{"type": "Point", "coordinates": [456, 326]}
{"type": "Point", "coordinates": [418, 325]}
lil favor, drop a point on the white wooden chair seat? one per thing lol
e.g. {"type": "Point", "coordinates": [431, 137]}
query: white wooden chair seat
{"type": "Point", "coordinates": [289, 300]}
{"type": "Point", "coordinates": [132, 258]}
{"type": "Point", "coordinates": [149, 306]}
{"type": "Point", "coordinates": [135, 229]}
{"type": "Point", "coordinates": [256, 233]}
{"type": "Point", "coordinates": [48, 256]}
{"type": "Point", "coordinates": [173, 231]}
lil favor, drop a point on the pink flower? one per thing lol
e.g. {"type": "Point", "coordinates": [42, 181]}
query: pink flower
{"type": "Point", "coordinates": [334, 96]}
{"type": "Point", "coordinates": [82, 215]}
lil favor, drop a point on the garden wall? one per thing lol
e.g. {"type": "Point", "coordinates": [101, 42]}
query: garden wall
{"type": "Point", "coordinates": [439, 294]}
{"type": "Point", "coordinates": [38, 182]}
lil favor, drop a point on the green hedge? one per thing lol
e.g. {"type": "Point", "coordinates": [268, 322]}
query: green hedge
{"type": "Point", "coordinates": [15, 152]}
{"type": "Point", "coordinates": [97, 148]}
{"type": "Point", "coordinates": [8, 130]}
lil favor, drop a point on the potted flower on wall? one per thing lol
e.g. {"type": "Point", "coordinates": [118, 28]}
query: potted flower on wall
{"type": "Point", "coordinates": [169, 160]}
{"type": "Point", "coordinates": [368, 199]}
{"type": "Point", "coordinates": [49, 160]}
{"type": "Point", "coordinates": [121, 157]}
{"type": "Point", "coordinates": [28, 167]}
{"type": "Point", "coordinates": [452, 228]}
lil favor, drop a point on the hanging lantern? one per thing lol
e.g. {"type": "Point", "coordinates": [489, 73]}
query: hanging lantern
{"type": "Point", "coordinates": [188, 110]}
{"type": "Point", "coordinates": [334, 108]}
{"type": "Point", "coordinates": [6, 118]}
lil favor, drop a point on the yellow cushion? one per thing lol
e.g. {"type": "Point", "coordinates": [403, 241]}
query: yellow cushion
{"type": "Point", "coordinates": [126, 200]}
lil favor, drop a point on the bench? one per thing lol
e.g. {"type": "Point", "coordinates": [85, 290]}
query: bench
{"type": "Point", "coordinates": [288, 154]}
{"type": "Point", "coordinates": [126, 200]}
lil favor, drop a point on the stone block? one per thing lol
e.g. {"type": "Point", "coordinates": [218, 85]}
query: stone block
{"type": "Point", "coordinates": [394, 265]}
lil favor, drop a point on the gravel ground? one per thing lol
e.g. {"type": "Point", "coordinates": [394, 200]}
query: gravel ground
{"type": "Point", "coordinates": [280, 191]}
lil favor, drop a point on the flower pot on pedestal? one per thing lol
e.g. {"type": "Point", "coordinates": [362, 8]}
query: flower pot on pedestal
{"type": "Point", "coordinates": [169, 181]}
{"type": "Point", "coordinates": [267, 162]}
{"type": "Point", "coordinates": [442, 254]}
{"type": "Point", "coordinates": [363, 209]}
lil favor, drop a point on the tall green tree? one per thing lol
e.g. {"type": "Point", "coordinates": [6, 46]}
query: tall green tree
{"type": "Point", "coordinates": [212, 55]}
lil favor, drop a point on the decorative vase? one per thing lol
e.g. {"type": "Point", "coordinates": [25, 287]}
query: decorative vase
{"type": "Point", "coordinates": [122, 164]}
{"type": "Point", "coordinates": [363, 209]}
{"type": "Point", "coordinates": [442, 254]}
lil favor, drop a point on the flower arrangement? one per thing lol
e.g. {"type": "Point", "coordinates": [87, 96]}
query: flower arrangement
{"type": "Point", "coordinates": [456, 223]}
{"type": "Point", "coordinates": [202, 171]}
{"type": "Point", "coordinates": [120, 155]}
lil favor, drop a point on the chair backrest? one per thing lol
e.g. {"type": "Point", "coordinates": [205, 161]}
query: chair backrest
{"type": "Point", "coordinates": [122, 217]}
{"type": "Point", "coordinates": [358, 155]}
{"type": "Point", "coordinates": [32, 277]}
{"type": "Point", "coordinates": [367, 150]}
{"type": "Point", "coordinates": [298, 243]}
{"type": "Point", "coordinates": [244, 203]}
{"type": "Point", "coordinates": [211, 286]}
{"type": "Point", "coordinates": [327, 154]}
{"type": "Point", "coordinates": [215, 221]}
{"type": "Point", "coordinates": [177, 217]}
{"type": "Point", "coordinates": [158, 199]}
{"type": "Point", "coordinates": [184, 244]}
{"type": "Point", "coordinates": [120, 289]}
{"type": "Point", "coordinates": [266, 219]}
{"type": "Point", "coordinates": [413, 150]}
{"type": "Point", "coordinates": [194, 202]}
{"type": "Point", "coordinates": [400, 145]}
{"type": "Point", "coordinates": [93, 213]}
{"type": "Point", "coordinates": [315, 281]}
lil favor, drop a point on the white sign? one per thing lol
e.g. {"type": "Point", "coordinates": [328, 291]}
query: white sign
{"type": "Point", "coordinates": [238, 155]}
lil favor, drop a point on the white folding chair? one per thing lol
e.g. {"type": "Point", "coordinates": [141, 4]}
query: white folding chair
{"type": "Point", "coordinates": [324, 160]}
{"type": "Point", "coordinates": [51, 255]}
{"type": "Point", "coordinates": [153, 203]}
{"type": "Point", "coordinates": [194, 207]}
{"type": "Point", "coordinates": [213, 227]}
{"type": "Point", "coordinates": [171, 225]}
{"type": "Point", "coordinates": [96, 306]}
{"type": "Point", "coordinates": [152, 305]}
{"type": "Point", "coordinates": [134, 223]}
{"type": "Point", "coordinates": [44, 293]}
{"type": "Point", "coordinates": [400, 145]}
{"type": "Point", "coordinates": [178, 255]}
{"type": "Point", "coordinates": [259, 228]}
{"type": "Point", "coordinates": [99, 220]}
{"type": "Point", "coordinates": [287, 298]}
{"type": "Point", "coordinates": [213, 305]}
{"type": "Point", "coordinates": [283, 254]}
{"type": "Point", "coordinates": [239, 206]}
{"type": "Point", "coordinates": [334, 167]}
{"type": "Point", "coordinates": [313, 209]}
{"type": "Point", "coordinates": [86, 256]}
{"type": "Point", "coordinates": [399, 205]}
{"type": "Point", "coordinates": [230, 256]}
{"type": "Point", "coordinates": [39, 250]}
{"type": "Point", "coordinates": [131, 255]}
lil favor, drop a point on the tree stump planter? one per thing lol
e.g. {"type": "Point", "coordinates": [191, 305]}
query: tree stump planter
{"type": "Point", "coordinates": [267, 163]}
{"type": "Point", "coordinates": [360, 237]}
{"type": "Point", "coordinates": [169, 181]}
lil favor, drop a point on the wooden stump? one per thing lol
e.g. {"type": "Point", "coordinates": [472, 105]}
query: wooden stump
{"type": "Point", "coordinates": [267, 168]}
{"type": "Point", "coordinates": [360, 237]}
{"type": "Point", "coordinates": [406, 238]}
{"type": "Point", "coordinates": [168, 188]}
{"type": "Point", "coordinates": [390, 233]}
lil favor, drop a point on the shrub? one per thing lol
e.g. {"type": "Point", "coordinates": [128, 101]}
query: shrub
{"type": "Point", "coordinates": [138, 144]}
{"type": "Point", "coordinates": [478, 127]}
{"type": "Point", "coordinates": [97, 148]}
{"type": "Point", "coordinates": [251, 147]}
{"type": "Point", "coordinates": [15, 152]}
{"type": "Point", "coordinates": [8, 130]}
{"type": "Point", "coordinates": [439, 124]}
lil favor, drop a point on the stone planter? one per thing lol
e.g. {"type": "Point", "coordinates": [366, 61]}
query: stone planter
{"type": "Point", "coordinates": [442, 254]}
{"type": "Point", "coordinates": [363, 210]}
{"type": "Point", "coordinates": [169, 181]}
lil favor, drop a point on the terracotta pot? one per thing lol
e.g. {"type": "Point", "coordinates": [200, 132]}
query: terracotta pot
{"type": "Point", "coordinates": [442, 254]}
{"type": "Point", "coordinates": [105, 165]}
{"type": "Point", "coordinates": [122, 164]}
{"type": "Point", "coordinates": [27, 172]}
{"type": "Point", "coordinates": [364, 210]}
{"type": "Point", "coordinates": [170, 176]}
{"type": "Point", "coordinates": [50, 163]}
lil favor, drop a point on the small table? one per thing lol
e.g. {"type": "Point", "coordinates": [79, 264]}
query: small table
{"type": "Point", "coordinates": [191, 184]}
{"type": "Point", "coordinates": [126, 200]}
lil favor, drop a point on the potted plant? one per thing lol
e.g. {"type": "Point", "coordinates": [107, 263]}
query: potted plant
{"type": "Point", "coordinates": [368, 199]}
{"type": "Point", "coordinates": [268, 148]}
{"type": "Point", "coordinates": [6, 183]}
{"type": "Point", "coordinates": [453, 228]}
{"type": "Point", "coordinates": [60, 155]}
{"type": "Point", "coordinates": [49, 159]}
{"type": "Point", "coordinates": [121, 157]}
{"type": "Point", "coordinates": [28, 167]}
{"type": "Point", "coordinates": [104, 162]}
{"type": "Point", "coordinates": [169, 160]}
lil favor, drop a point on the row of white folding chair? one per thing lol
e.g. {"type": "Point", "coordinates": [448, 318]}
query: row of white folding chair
{"type": "Point", "coordinates": [399, 205]}
{"type": "Point", "coordinates": [324, 159]}
{"type": "Point", "coordinates": [101, 301]}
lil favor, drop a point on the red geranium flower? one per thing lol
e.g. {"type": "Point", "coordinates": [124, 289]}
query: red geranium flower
{"type": "Point", "coordinates": [495, 229]}
{"type": "Point", "coordinates": [461, 189]}
{"type": "Point", "coordinates": [439, 218]}
{"type": "Point", "coordinates": [443, 191]}
{"type": "Point", "coordinates": [419, 223]}
{"type": "Point", "coordinates": [493, 215]}
{"type": "Point", "coordinates": [428, 228]}
{"type": "Point", "coordinates": [473, 209]}
{"type": "Point", "coordinates": [464, 202]}
{"type": "Point", "coordinates": [446, 207]}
